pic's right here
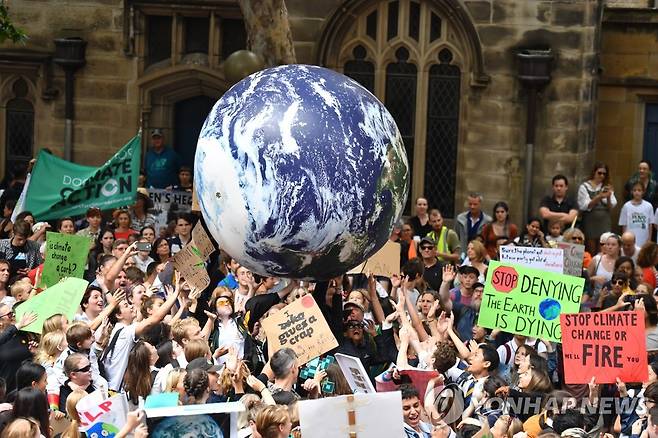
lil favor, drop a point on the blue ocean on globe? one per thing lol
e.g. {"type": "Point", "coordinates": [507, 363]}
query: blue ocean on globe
{"type": "Point", "coordinates": [549, 309]}
{"type": "Point", "coordinates": [187, 426]}
{"type": "Point", "coordinates": [300, 172]}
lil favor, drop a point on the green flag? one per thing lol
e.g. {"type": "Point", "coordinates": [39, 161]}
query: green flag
{"type": "Point", "coordinates": [59, 188]}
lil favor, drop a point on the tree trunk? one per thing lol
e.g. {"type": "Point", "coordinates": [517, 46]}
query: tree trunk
{"type": "Point", "coordinates": [268, 31]}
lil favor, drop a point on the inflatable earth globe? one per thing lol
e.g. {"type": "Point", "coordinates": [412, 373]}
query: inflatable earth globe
{"type": "Point", "coordinates": [300, 172]}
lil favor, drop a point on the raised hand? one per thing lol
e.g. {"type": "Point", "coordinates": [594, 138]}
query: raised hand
{"type": "Point", "coordinates": [26, 319]}
{"type": "Point", "coordinates": [449, 273]}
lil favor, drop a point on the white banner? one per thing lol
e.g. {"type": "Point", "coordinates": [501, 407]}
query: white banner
{"type": "Point", "coordinates": [547, 259]}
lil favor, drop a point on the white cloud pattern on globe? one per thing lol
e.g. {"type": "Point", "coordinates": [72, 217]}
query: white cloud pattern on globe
{"type": "Point", "coordinates": [300, 172]}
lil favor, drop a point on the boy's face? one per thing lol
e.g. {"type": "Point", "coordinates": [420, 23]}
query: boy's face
{"type": "Point", "coordinates": [468, 280]}
{"type": "Point", "coordinates": [411, 411]}
{"type": "Point", "coordinates": [87, 343]}
{"type": "Point", "coordinates": [555, 229]}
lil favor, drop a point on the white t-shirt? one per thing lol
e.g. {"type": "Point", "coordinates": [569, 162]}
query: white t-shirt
{"type": "Point", "coordinates": [638, 220]}
{"type": "Point", "coordinates": [117, 361]}
{"type": "Point", "coordinates": [507, 351]}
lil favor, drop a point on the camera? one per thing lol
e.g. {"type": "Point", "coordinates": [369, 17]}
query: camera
{"type": "Point", "coordinates": [143, 246]}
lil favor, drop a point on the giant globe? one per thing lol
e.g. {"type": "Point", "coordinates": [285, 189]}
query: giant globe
{"type": "Point", "coordinates": [300, 172]}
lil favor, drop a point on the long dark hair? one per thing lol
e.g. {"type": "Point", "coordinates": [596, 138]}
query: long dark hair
{"type": "Point", "coordinates": [30, 402]}
{"type": "Point", "coordinates": [27, 373]}
{"type": "Point", "coordinates": [98, 243]}
{"type": "Point", "coordinates": [137, 379]}
{"type": "Point", "coordinates": [601, 165]}
{"type": "Point", "coordinates": [154, 249]}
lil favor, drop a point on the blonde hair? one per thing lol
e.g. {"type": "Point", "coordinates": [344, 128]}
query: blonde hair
{"type": "Point", "coordinates": [20, 287]}
{"type": "Point", "coordinates": [22, 428]}
{"type": "Point", "coordinates": [196, 348]}
{"type": "Point", "coordinates": [172, 380]}
{"type": "Point", "coordinates": [220, 291]}
{"type": "Point", "coordinates": [480, 250]}
{"type": "Point", "coordinates": [250, 402]}
{"type": "Point", "coordinates": [269, 419]}
{"type": "Point", "coordinates": [55, 322]}
{"type": "Point", "coordinates": [49, 347]}
{"type": "Point", "coordinates": [71, 402]}
{"type": "Point", "coordinates": [179, 328]}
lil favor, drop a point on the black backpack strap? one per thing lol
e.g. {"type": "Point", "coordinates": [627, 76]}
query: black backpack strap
{"type": "Point", "coordinates": [110, 347]}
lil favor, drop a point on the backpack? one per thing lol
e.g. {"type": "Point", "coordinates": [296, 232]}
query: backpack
{"type": "Point", "coordinates": [106, 353]}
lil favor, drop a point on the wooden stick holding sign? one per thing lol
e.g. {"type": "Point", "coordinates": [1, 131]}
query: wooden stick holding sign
{"type": "Point", "coordinates": [384, 262]}
{"type": "Point", "coordinates": [300, 326]}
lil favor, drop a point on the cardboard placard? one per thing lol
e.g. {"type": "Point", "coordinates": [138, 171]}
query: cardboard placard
{"type": "Point", "coordinates": [202, 241]}
{"type": "Point", "coordinates": [528, 301]}
{"type": "Point", "coordinates": [302, 327]}
{"type": "Point", "coordinates": [356, 375]}
{"type": "Point", "coordinates": [195, 200]}
{"type": "Point", "coordinates": [363, 415]}
{"type": "Point", "coordinates": [64, 297]}
{"type": "Point", "coordinates": [384, 262]}
{"type": "Point", "coordinates": [66, 256]}
{"type": "Point", "coordinates": [573, 258]}
{"type": "Point", "coordinates": [101, 416]}
{"type": "Point", "coordinates": [605, 345]}
{"type": "Point", "coordinates": [166, 202]}
{"type": "Point", "coordinates": [190, 264]}
{"type": "Point", "coordinates": [547, 259]}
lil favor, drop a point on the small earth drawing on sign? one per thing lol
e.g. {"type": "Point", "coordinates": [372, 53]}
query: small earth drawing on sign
{"type": "Point", "coordinates": [549, 309]}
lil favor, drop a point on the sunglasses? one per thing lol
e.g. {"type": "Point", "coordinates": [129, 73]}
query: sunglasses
{"type": "Point", "coordinates": [577, 238]}
{"type": "Point", "coordinates": [10, 314]}
{"type": "Point", "coordinates": [353, 325]}
{"type": "Point", "coordinates": [83, 369]}
{"type": "Point", "coordinates": [426, 247]}
{"type": "Point", "coordinates": [601, 173]}
{"type": "Point", "coordinates": [618, 281]}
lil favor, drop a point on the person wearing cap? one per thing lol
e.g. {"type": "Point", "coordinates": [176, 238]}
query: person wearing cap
{"type": "Point", "coordinates": [448, 247]}
{"type": "Point", "coordinates": [201, 363]}
{"type": "Point", "coordinates": [161, 163]}
{"type": "Point", "coordinates": [433, 273]}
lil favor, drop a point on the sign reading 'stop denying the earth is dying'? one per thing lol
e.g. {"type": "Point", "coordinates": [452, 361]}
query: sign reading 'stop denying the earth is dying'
{"type": "Point", "coordinates": [528, 301]}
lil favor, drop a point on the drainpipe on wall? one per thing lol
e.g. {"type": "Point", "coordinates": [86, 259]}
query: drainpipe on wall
{"type": "Point", "coordinates": [534, 72]}
{"type": "Point", "coordinates": [70, 55]}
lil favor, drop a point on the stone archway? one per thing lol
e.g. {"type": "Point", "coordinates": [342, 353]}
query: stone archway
{"type": "Point", "coordinates": [161, 91]}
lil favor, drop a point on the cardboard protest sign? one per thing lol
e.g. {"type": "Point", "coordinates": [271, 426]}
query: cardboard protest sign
{"type": "Point", "coordinates": [356, 375]}
{"type": "Point", "coordinates": [528, 301]}
{"type": "Point", "coordinates": [384, 262]}
{"type": "Point", "coordinates": [605, 345]}
{"type": "Point", "coordinates": [167, 202]}
{"type": "Point", "coordinates": [300, 326]}
{"type": "Point", "coordinates": [190, 264]}
{"type": "Point", "coordinates": [202, 241]}
{"type": "Point", "coordinates": [195, 200]}
{"type": "Point", "coordinates": [212, 419]}
{"type": "Point", "coordinates": [573, 258]}
{"type": "Point", "coordinates": [547, 259]}
{"type": "Point", "coordinates": [100, 416]}
{"type": "Point", "coordinates": [66, 256]}
{"type": "Point", "coordinates": [364, 415]}
{"type": "Point", "coordinates": [64, 297]}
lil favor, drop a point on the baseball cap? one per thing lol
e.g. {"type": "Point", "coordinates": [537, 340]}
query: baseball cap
{"type": "Point", "coordinates": [427, 239]}
{"type": "Point", "coordinates": [465, 270]}
{"type": "Point", "coordinates": [201, 363]}
{"type": "Point", "coordinates": [157, 132]}
{"type": "Point", "coordinates": [350, 304]}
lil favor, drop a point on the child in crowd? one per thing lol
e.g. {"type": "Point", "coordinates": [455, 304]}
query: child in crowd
{"type": "Point", "coordinates": [637, 216]}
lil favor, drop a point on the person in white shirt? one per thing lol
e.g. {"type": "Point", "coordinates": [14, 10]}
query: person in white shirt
{"type": "Point", "coordinates": [507, 351]}
{"type": "Point", "coordinates": [637, 216]}
{"type": "Point", "coordinates": [124, 336]}
{"type": "Point", "coordinates": [628, 246]}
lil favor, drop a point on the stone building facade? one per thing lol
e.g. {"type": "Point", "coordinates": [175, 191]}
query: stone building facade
{"type": "Point", "coordinates": [446, 69]}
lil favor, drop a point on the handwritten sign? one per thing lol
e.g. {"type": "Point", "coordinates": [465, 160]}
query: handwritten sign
{"type": "Point", "coordinates": [547, 259]}
{"type": "Point", "coordinates": [66, 256]}
{"type": "Point", "coordinates": [100, 416]}
{"type": "Point", "coordinates": [364, 415]}
{"type": "Point", "coordinates": [190, 264]}
{"type": "Point", "coordinates": [605, 345]}
{"type": "Point", "coordinates": [202, 241]}
{"type": "Point", "coordinates": [356, 375]}
{"type": "Point", "coordinates": [166, 202]}
{"type": "Point", "coordinates": [384, 262]}
{"type": "Point", "coordinates": [64, 297]}
{"type": "Point", "coordinates": [528, 301]}
{"type": "Point", "coordinates": [573, 258]}
{"type": "Point", "coordinates": [300, 326]}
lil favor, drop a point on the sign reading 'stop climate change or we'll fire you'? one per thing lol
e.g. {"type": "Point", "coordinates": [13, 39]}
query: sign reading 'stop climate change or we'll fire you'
{"type": "Point", "coordinates": [528, 301]}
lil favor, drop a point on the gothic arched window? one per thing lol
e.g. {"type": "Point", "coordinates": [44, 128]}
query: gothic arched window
{"type": "Point", "coordinates": [19, 123]}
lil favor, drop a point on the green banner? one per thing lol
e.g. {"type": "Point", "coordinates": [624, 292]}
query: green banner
{"type": "Point", "coordinates": [61, 298]}
{"type": "Point", "coordinates": [528, 301]}
{"type": "Point", "coordinates": [59, 188]}
{"type": "Point", "coordinates": [66, 256]}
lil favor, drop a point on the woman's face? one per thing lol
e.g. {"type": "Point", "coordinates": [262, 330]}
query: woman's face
{"type": "Point", "coordinates": [642, 289]}
{"type": "Point", "coordinates": [626, 268]}
{"type": "Point", "coordinates": [138, 293]}
{"type": "Point", "coordinates": [643, 170]}
{"type": "Point", "coordinates": [123, 220]}
{"type": "Point", "coordinates": [600, 174]}
{"type": "Point", "coordinates": [41, 383]}
{"type": "Point", "coordinates": [652, 375]}
{"type": "Point", "coordinates": [421, 206]}
{"type": "Point", "coordinates": [425, 302]}
{"type": "Point", "coordinates": [163, 248]}
{"type": "Point", "coordinates": [533, 228]}
{"type": "Point", "coordinates": [65, 323]}
{"type": "Point", "coordinates": [612, 247]}
{"type": "Point", "coordinates": [470, 251]}
{"type": "Point", "coordinates": [95, 303]}
{"type": "Point", "coordinates": [520, 356]}
{"type": "Point", "coordinates": [524, 364]}
{"type": "Point", "coordinates": [153, 353]}
{"type": "Point", "coordinates": [148, 234]}
{"type": "Point", "coordinates": [107, 240]}
{"type": "Point", "coordinates": [501, 214]}
{"type": "Point", "coordinates": [29, 219]}
{"type": "Point", "coordinates": [67, 227]}
{"type": "Point", "coordinates": [524, 379]}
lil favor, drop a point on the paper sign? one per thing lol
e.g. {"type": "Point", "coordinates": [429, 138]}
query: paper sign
{"type": "Point", "coordinates": [64, 298]}
{"type": "Point", "coordinates": [605, 345]}
{"type": "Point", "coordinates": [384, 262]}
{"type": "Point", "coordinates": [166, 202]}
{"type": "Point", "coordinates": [547, 259]}
{"type": "Point", "coordinates": [363, 415]}
{"type": "Point", "coordinates": [573, 258]}
{"type": "Point", "coordinates": [300, 326]}
{"type": "Point", "coordinates": [100, 416]}
{"type": "Point", "coordinates": [202, 241]}
{"type": "Point", "coordinates": [204, 420]}
{"type": "Point", "coordinates": [66, 256]}
{"type": "Point", "coordinates": [355, 374]}
{"type": "Point", "coordinates": [528, 301]}
{"type": "Point", "coordinates": [192, 267]}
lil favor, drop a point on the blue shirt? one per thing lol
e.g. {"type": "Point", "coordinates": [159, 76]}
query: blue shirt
{"type": "Point", "coordinates": [161, 168]}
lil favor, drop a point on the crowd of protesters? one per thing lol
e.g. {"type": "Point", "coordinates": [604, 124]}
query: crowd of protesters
{"type": "Point", "coordinates": [142, 330]}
